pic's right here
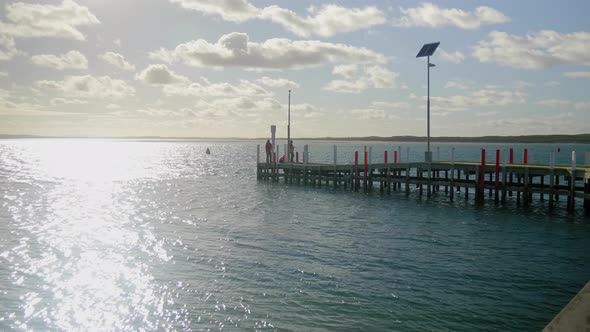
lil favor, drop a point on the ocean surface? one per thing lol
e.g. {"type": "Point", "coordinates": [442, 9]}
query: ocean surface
{"type": "Point", "coordinates": [101, 235]}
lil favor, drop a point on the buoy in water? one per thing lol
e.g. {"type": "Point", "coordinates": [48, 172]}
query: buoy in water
{"type": "Point", "coordinates": [207, 151]}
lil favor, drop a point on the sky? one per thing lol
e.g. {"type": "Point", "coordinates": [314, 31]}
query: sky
{"type": "Point", "coordinates": [224, 68]}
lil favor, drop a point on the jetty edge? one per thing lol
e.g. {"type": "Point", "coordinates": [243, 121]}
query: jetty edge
{"type": "Point", "coordinates": [575, 316]}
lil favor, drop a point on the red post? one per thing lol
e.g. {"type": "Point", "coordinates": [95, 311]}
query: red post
{"type": "Point", "coordinates": [356, 168]}
{"type": "Point", "coordinates": [395, 157]}
{"type": "Point", "coordinates": [482, 173]}
{"type": "Point", "coordinates": [297, 156]}
{"type": "Point", "coordinates": [511, 155]}
{"type": "Point", "coordinates": [385, 157]}
{"type": "Point", "coordinates": [525, 157]}
{"type": "Point", "coordinates": [366, 170]}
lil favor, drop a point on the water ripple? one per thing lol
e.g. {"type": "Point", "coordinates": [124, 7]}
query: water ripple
{"type": "Point", "coordinates": [120, 235]}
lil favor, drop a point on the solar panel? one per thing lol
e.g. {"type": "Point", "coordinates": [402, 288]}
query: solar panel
{"type": "Point", "coordinates": [427, 50]}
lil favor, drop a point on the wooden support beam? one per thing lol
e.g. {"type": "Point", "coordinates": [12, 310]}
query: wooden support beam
{"type": "Point", "coordinates": [586, 199]}
{"type": "Point", "coordinates": [525, 193]}
{"type": "Point", "coordinates": [408, 180]}
{"type": "Point", "coordinates": [466, 184]}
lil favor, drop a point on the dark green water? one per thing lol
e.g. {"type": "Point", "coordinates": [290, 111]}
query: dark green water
{"type": "Point", "coordinates": [101, 235]}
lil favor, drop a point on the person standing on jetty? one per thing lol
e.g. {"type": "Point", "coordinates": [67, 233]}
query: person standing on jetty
{"type": "Point", "coordinates": [268, 147]}
{"type": "Point", "coordinates": [291, 151]}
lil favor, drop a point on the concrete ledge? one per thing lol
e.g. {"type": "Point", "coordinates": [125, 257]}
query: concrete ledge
{"type": "Point", "coordinates": [575, 316]}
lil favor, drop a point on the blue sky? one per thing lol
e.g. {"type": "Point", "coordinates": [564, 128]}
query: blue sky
{"type": "Point", "coordinates": [223, 68]}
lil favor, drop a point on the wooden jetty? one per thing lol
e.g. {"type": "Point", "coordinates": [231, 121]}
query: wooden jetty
{"type": "Point", "coordinates": [500, 178]}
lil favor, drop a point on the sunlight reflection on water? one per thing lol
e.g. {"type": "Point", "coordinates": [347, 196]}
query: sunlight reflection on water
{"type": "Point", "coordinates": [84, 240]}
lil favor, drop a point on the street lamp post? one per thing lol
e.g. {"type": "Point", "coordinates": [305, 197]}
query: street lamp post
{"type": "Point", "coordinates": [426, 51]}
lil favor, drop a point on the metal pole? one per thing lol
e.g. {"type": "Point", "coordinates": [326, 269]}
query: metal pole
{"type": "Point", "coordinates": [289, 131]}
{"type": "Point", "coordinates": [428, 109]}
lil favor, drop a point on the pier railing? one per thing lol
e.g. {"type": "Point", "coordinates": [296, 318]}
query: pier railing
{"type": "Point", "coordinates": [501, 177]}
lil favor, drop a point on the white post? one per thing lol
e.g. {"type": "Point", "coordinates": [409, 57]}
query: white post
{"type": "Point", "coordinates": [306, 153]}
{"type": "Point", "coordinates": [273, 132]}
{"type": "Point", "coordinates": [335, 156]}
{"type": "Point", "coordinates": [573, 161]}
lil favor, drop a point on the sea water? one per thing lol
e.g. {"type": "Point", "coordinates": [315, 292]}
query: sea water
{"type": "Point", "coordinates": [111, 235]}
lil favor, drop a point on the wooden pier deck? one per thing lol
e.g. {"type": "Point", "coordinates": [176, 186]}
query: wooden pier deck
{"type": "Point", "coordinates": [499, 180]}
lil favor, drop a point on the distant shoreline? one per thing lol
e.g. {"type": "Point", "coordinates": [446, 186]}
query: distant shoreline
{"type": "Point", "coordinates": [579, 138]}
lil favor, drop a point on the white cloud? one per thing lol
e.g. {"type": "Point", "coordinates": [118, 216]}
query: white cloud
{"type": "Point", "coordinates": [7, 48]}
{"type": "Point", "coordinates": [11, 104]}
{"type": "Point", "coordinates": [90, 87]}
{"type": "Point", "coordinates": [369, 113]}
{"type": "Point", "coordinates": [554, 102]}
{"type": "Point", "coordinates": [356, 82]}
{"type": "Point", "coordinates": [577, 74]}
{"type": "Point", "coordinates": [277, 82]}
{"type": "Point", "coordinates": [160, 112]}
{"type": "Point", "coordinates": [62, 101]}
{"type": "Point", "coordinates": [479, 98]}
{"type": "Point", "coordinates": [117, 42]}
{"type": "Point", "coordinates": [234, 11]}
{"type": "Point", "coordinates": [244, 88]}
{"type": "Point", "coordinates": [380, 77]}
{"type": "Point", "coordinates": [522, 85]}
{"type": "Point", "coordinates": [226, 110]}
{"type": "Point", "coordinates": [564, 103]}
{"type": "Point", "coordinates": [391, 105]}
{"type": "Point", "coordinates": [380, 111]}
{"type": "Point", "coordinates": [551, 83]}
{"type": "Point", "coordinates": [326, 22]}
{"type": "Point", "coordinates": [161, 75]}
{"type": "Point", "coordinates": [455, 57]}
{"type": "Point", "coordinates": [116, 60]}
{"type": "Point", "coordinates": [70, 60]}
{"type": "Point", "coordinates": [3, 74]}
{"type": "Point", "coordinates": [483, 114]}
{"type": "Point", "coordinates": [542, 124]}
{"type": "Point", "coordinates": [305, 110]}
{"type": "Point", "coordinates": [456, 85]}
{"type": "Point", "coordinates": [430, 15]}
{"type": "Point", "coordinates": [36, 20]}
{"type": "Point", "coordinates": [343, 86]}
{"type": "Point", "coordinates": [534, 51]}
{"type": "Point", "coordinates": [237, 106]}
{"type": "Point", "coordinates": [235, 49]}
{"type": "Point", "coordinates": [178, 85]}
{"type": "Point", "coordinates": [346, 71]}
